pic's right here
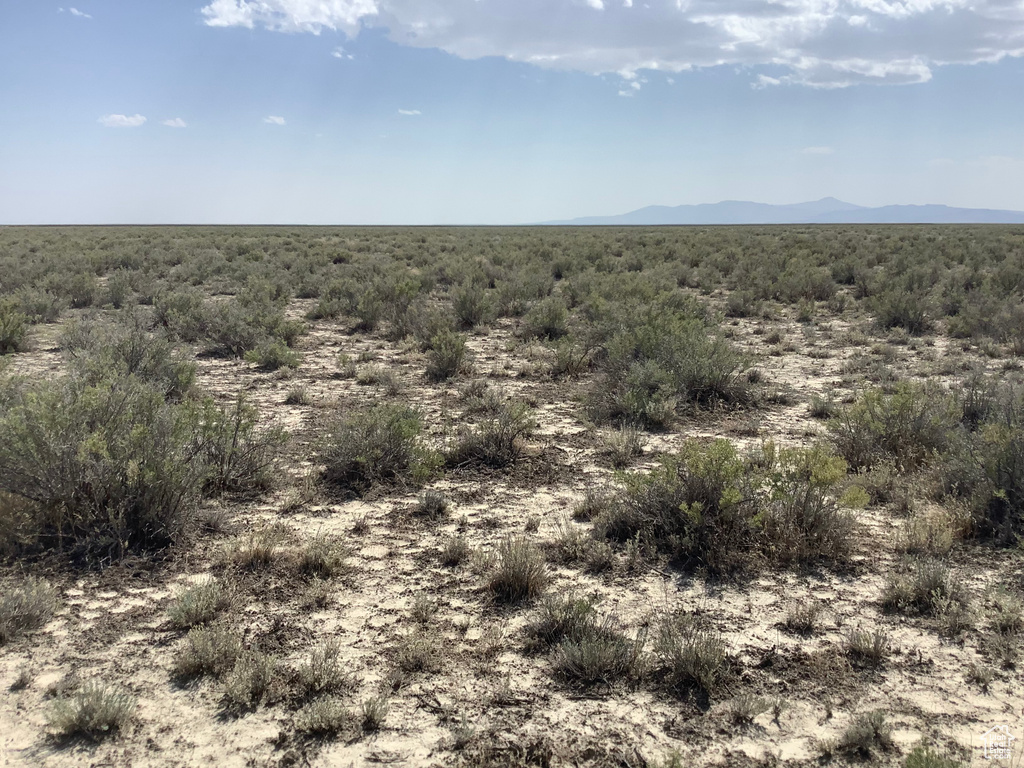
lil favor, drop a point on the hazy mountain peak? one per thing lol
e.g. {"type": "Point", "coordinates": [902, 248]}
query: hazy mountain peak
{"type": "Point", "coordinates": [827, 210]}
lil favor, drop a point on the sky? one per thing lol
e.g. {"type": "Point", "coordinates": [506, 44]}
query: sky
{"type": "Point", "coordinates": [501, 111]}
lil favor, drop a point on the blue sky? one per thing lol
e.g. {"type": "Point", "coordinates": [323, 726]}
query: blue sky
{"type": "Point", "coordinates": [501, 111]}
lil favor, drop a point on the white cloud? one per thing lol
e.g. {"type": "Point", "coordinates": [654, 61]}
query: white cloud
{"type": "Point", "coordinates": [274, 120]}
{"type": "Point", "coordinates": [409, 112]}
{"type": "Point", "coordinates": [818, 151]}
{"type": "Point", "coordinates": [78, 13]}
{"type": "Point", "coordinates": [122, 121]}
{"type": "Point", "coordinates": [821, 43]}
{"type": "Point", "coordinates": [340, 53]}
{"type": "Point", "coordinates": [290, 15]}
{"type": "Point", "coordinates": [174, 122]}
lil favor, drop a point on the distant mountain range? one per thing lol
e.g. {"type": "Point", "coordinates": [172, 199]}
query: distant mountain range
{"type": "Point", "coordinates": [828, 210]}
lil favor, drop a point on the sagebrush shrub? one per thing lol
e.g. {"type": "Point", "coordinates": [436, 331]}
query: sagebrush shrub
{"type": "Point", "coordinates": [94, 712]}
{"type": "Point", "coordinates": [240, 455]}
{"type": "Point", "coordinates": [470, 304]}
{"type": "Point", "coordinates": [379, 445]}
{"type": "Point", "coordinates": [13, 328]}
{"type": "Point", "coordinates": [657, 359]}
{"type": "Point", "coordinates": [691, 654]}
{"type": "Point", "coordinates": [911, 426]}
{"type": "Point", "coordinates": [25, 606]}
{"type": "Point", "coordinates": [105, 468]}
{"type": "Point", "coordinates": [98, 350]}
{"type": "Point", "coordinates": [209, 651]}
{"type": "Point", "coordinates": [547, 319]}
{"type": "Point", "coordinates": [697, 506]}
{"type": "Point", "coordinates": [446, 356]}
{"type": "Point", "coordinates": [497, 441]}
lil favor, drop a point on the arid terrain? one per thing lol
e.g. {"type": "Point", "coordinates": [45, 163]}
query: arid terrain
{"type": "Point", "coordinates": [511, 497]}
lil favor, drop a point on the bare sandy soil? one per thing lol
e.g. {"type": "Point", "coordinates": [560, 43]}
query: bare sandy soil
{"type": "Point", "coordinates": [490, 701]}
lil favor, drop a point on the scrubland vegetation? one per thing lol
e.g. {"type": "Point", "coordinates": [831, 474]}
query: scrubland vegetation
{"type": "Point", "coordinates": [510, 497]}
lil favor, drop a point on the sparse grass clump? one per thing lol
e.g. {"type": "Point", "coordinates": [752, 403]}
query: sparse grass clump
{"type": "Point", "coordinates": [923, 756]}
{"type": "Point", "coordinates": [94, 712]}
{"type": "Point", "coordinates": [24, 607]}
{"type": "Point", "coordinates": [199, 604]}
{"type": "Point", "coordinates": [373, 447]}
{"type": "Point", "coordinates": [433, 505]}
{"type": "Point", "coordinates": [374, 712]}
{"type": "Point", "coordinates": [325, 718]}
{"type": "Point", "coordinates": [454, 551]}
{"type": "Point", "coordinates": [519, 574]}
{"type": "Point", "coordinates": [323, 557]}
{"type": "Point", "coordinates": [324, 672]}
{"type": "Point", "coordinates": [927, 589]}
{"type": "Point", "coordinates": [209, 651]}
{"type": "Point", "coordinates": [869, 648]}
{"type": "Point", "coordinates": [248, 684]}
{"type": "Point", "coordinates": [691, 654]}
{"type": "Point", "coordinates": [597, 654]}
{"type": "Point", "coordinates": [802, 618]}
{"type": "Point", "coordinates": [624, 445]}
{"type": "Point", "coordinates": [866, 736]}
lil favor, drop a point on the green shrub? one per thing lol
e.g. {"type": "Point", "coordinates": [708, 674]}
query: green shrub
{"type": "Point", "coordinates": [119, 288]}
{"type": "Point", "coordinates": [379, 445]}
{"type": "Point", "coordinates": [13, 328]}
{"type": "Point", "coordinates": [657, 360]}
{"type": "Point", "coordinates": [519, 574]}
{"type": "Point", "coordinates": [98, 350]}
{"type": "Point", "coordinates": [902, 309]}
{"type": "Point", "coordinates": [547, 319]}
{"type": "Point", "coordinates": [41, 306]}
{"type": "Point", "coordinates": [696, 506]}
{"type": "Point", "coordinates": [446, 357]}
{"type": "Point", "coordinates": [104, 468]}
{"type": "Point", "coordinates": [183, 313]}
{"type": "Point", "coordinates": [273, 354]}
{"type": "Point", "coordinates": [470, 305]}
{"type": "Point", "coordinates": [83, 289]}
{"type": "Point", "coordinates": [803, 521]}
{"type": "Point", "coordinates": [239, 455]}
{"type": "Point", "coordinates": [94, 712]}
{"type": "Point", "coordinates": [497, 441]}
{"type": "Point", "coordinates": [909, 427]}
{"type": "Point", "coordinates": [25, 606]}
